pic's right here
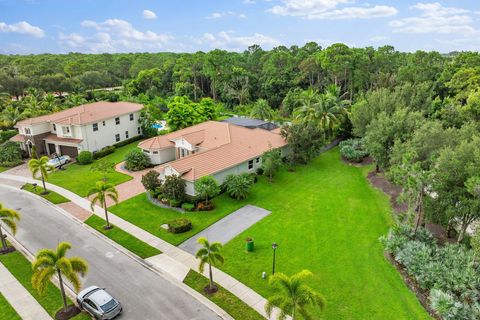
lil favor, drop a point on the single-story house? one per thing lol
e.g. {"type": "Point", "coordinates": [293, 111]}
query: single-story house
{"type": "Point", "coordinates": [211, 148]}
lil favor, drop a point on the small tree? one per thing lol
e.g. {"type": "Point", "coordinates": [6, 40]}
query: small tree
{"type": "Point", "coordinates": [48, 262]}
{"type": "Point", "coordinates": [304, 140]}
{"type": "Point", "coordinates": [104, 168]}
{"type": "Point", "coordinates": [102, 191]}
{"type": "Point", "coordinates": [151, 180]}
{"type": "Point", "coordinates": [136, 160]}
{"type": "Point", "coordinates": [292, 296]}
{"type": "Point", "coordinates": [174, 188]}
{"type": "Point", "coordinates": [9, 218]}
{"type": "Point", "coordinates": [210, 254]}
{"type": "Point", "coordinates": [10, 154]}
{"type": "Point", "coordinates": [238, 186]}
{"type": "Point", "coordinates": [40, 166]}
{"type": "Point", "coordinates": [271, 162]}
{"type": "Point", "coordinates": [207, 187]}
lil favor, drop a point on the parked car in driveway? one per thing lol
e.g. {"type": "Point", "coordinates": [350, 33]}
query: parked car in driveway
{"type": "Point", "coordinates": [58, 161]}
{"type": "Point", "coordinates": [99, 303]}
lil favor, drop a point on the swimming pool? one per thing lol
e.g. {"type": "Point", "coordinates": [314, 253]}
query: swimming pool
{"type": "Point", "coordinates": [157, 126]}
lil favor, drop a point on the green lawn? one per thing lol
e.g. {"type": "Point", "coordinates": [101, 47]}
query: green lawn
{"type": "Point", "coordinates": [52, 196]}
{"type": "Point", "coordinates": [80, 179]}
{"type": "Point", "coordinates": [141, 212]}
{"type": "Point", "coordinates": [223, 298]}
{"type": "Point", "coordinates": [6, 310]}
{"type": "Point", "coordinates": [3, 168]}
{"type": "Point", "coordinates": [21, 269]}
{"type": "Point", "coordinates": [123, 238]}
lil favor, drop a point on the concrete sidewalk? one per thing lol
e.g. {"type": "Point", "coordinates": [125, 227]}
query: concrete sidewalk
{"type": "Point", "coordinates": [246, 294]}
{"type": "Point", "coordinates": [21, 300]}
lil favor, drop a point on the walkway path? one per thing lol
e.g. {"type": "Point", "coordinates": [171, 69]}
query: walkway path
{"type": "Point", "coordinates": [21, 300]}
{"type": "Point", "coordinates": [227, 228]}
{"type": "Point", "coordinates": [237, 288]}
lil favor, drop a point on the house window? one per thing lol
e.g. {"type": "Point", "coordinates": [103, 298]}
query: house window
{"type": "Point", "coordinates": [131, 116]}
{"type": "Point", "coordinates": [27, 131]}
{"type": "Point", "coordinates": [95, 126]}
{"type": "Point", "coordinates": [155, 152]}
{"type": "Point", "coordinates": [103, 123]}
{"type": "Point", "coordinates": [146, 151]}
{"type": "Point", "coordinates": [138, 130]}
{"type": "Point", "coordinates": [54, 127]}
{"type": "Point", "coordinates": [257, 160]}
{"type": "Point", "coordinates": [126, 134]}
{"type": "Point", "coordinates": [117, 120]}
{"type": "Point", "coordinates": [250, 164]}
{"type": "Point", "coordinates": [66, 130]}
{"type": "Point", "coordinates": [117, 137]}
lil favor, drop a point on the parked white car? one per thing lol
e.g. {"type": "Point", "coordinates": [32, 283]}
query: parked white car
{"type": "Point", "coordinates": [58, 161]}
{"type": "Point", "coordinates": [99, 303]}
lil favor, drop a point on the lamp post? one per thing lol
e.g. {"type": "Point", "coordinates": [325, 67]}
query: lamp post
{"type": "Point", "coordinates": [274, 247]}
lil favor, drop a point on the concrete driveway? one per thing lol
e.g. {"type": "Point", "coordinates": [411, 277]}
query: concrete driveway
{"type": "Point", "coordinates": [143, 293]}
{"type": "Point", "coordinates": [227, 228]}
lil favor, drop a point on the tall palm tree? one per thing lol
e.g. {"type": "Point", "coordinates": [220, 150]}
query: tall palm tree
{"type": "Point", "coordinates": [11, 115]}
{"type": "Point", "coordinates": [8, 217]}
{"type": "Point", "coordinates": [293, 295]}
{"type": "Point", "coordinates": [41, 166]}
{"type": "Point", "coordinates": [102, 191]}
{"type": "Point", "coordinates": [210, 253]}
{"type": "Point", "coordinates": [49, 262]}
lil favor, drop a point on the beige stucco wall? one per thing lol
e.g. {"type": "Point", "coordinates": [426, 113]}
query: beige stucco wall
{"type": "Point", "coordinates": [162, 156]}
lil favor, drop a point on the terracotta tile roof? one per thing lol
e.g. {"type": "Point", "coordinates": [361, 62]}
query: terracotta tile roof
{"type": "Point", "coordinates": [55, 138]}
{"type": "Point", "coordinates": [156, 143]}
{"type": "Point", "coordinates": [18, 138]}
{"type": "Point", "coordinates": [195, 138]}
{"type": "Point", "coordinates": [87, 113]}
{"type": "Point", "coordinates": [244, 144]}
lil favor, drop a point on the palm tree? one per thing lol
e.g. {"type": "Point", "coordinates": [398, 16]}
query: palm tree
{"type": "Point", "coordinates": [41, 166]}
{"type": "Point", "coordinates": [102, 191]}
{"type": "Point", "coordinates": [8, 217]}
{"type": "Point", "coordinates": [293, 295]}
{"type": "Point", "coordinates": [11, 115]}
{"type": "Point", "coordinates": [209, 253]}
{"type": "Point", "coordinates": [261, 110]}
{"type": "Point", "coordinates": [49, 262]}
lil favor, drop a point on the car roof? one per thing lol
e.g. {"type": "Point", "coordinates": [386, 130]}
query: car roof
{"type": "Point", "coordinates": [100, 297]}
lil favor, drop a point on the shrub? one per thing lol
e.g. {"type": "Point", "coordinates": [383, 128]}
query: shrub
{"type": "Point", "coordinates": [10, 154]}
{"type": "Point", "coordinates": [202, 206]}
{"type": "Point", "coordinates": [128, 141]}
{"type": "Point", "coordinates": [7, 134]}
{"type": "Point", "coordinates": [151, 180]}
{"type": "Point", "coordinates": [179, 225]}
{"type": "Point", "coordinates": [174, 203]}
{"type": "Point", "coordinates": [104, 152]}
{"type": "Point", "coordinates": [238, 186]}
{"type": "Point", "coordinates": [136, 160]}
{"type": "Point", "coordinates": [174, 188]}
{"type": "Point", "coordinates": [353, 150]}
{"type": "Point", "coordinates": [188, 206]}
{"type": "Point", "coordinates": [207, 187]}
{"type": "Point", "coordinates": [85, 157]}
{"type": "Point", "coordinates": [260, 171]}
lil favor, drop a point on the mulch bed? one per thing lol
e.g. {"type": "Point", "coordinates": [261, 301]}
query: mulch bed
{"type": "Point", "coordinates": [8, 250]}
{"type": "Point", "coordinates": [391, 190]}
{"type": "Point", "coordinates": [422, 295]}
{"type": "Point", "coordinates": [365, 161]}
{"type": "Point", "coordinates": [209, 290]}
{"type": "Point", "coordinates": [71, 312]}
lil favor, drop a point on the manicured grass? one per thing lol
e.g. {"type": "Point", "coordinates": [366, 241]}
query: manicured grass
{"type": "Point", "coordinates": [222, 298]}
{"type": "Point", "coordinates": [21, 269]}
{"type": "Point", "coordinates": [3, 168]}
{"type": "Point", "coordinates": [80, 179]}
{"type": "Point", "coordinates": [326, 218]}
{"type": "Point", "coordinates": [52, 196]}
{"type": "Point", "coordinates": [141, 212]}
{"type": "Point", "coordinates": [6, 310]}
{"type": "Point", "coordinates": [123, 238]}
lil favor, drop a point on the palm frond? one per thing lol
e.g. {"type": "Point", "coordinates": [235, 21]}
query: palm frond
{"type": "Point", "coordinates": [64, 265]}
{"type": "Point", "coordinates": [41, 278]}
{"type": "Point", "coordinates": [62, 249]}
{"type": "Point", "coordinates": [79, 265]}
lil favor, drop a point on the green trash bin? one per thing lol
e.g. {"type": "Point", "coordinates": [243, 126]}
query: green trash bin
{"type": "Point", "coordinates": [249, 246]}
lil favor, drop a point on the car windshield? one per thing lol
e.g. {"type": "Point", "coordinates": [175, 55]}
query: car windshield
{"type": "Point", "coordinates": [109, 305]}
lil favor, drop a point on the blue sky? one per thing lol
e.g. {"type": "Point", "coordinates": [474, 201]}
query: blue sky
{"type": "Point", "coordinates": [60, 26]}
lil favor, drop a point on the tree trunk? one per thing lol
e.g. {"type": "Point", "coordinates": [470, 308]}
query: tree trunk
{"type": "Point", "coordinates": [463, 230]}
{"type": "Point", "coordinates": [420, 216]}
{"type": "Point", "coordinates": [106, 212]}
{"type": "Point", "coordinates": [293, 312]}
{"type": "Point", "coordinates": [43, 182]}
{"type": "Point", "coordinates": [377, 168]}
{"type": "Point", "coordinates": [4, 242]}
{"type": "Point", "coordinates": [62, 289]}
{"type": "Point", "coordinates": [211, 276]}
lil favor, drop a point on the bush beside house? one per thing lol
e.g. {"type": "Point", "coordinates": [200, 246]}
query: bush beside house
{"type": "Point", "coordinates": [353, 150]}
{"type": "Point", "coordinates": [136, 160]}
{"type": "Point", "coordinates": [179, 225]}
{"type": "Point", "coordinates": [10, 154]}
{"type": "Point", "coordinates": [85, 157]}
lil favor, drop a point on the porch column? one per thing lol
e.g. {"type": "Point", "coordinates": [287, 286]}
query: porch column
{"type": "Point", "coordinates": [57, 149]}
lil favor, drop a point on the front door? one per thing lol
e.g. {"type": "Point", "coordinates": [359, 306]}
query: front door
{"type": "Point", "coordinates": [51, 148]}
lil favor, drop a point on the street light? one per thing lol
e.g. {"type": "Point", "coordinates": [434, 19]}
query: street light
{"type": "Point", "coordinates": [274, 247]}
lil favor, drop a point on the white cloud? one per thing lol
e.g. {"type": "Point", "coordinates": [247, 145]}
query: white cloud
{"type": "Point", "coordinates": [149, 14]}
{"type": "Point", "coordinates": [22, 27]}
{"type": "Point", "coordinates": [114, 35]}
{"type": "Point", "coordinates": [249, 1]}
{"type": "Point", "coordinates": [229, 40]}
{"type": "Point", "coordinates": [328, 9]}
{"type": "Point", "coordinates": [434, 18]}
{"type": "Point", "coordinates": [218, 15]}
{"type": "Point", "coordinates": [379, 38]}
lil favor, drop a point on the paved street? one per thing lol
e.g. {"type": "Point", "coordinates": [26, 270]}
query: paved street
{"type": "Point", "coordinates": [143, 293]}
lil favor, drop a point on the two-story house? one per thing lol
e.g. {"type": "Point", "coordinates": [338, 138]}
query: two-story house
{"type": "Point", "coordinates": [88, 127]}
